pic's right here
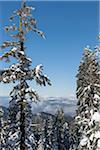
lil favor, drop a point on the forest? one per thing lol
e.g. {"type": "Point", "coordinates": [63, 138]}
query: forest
{"type": "Point", "coordinates": [19, 128]}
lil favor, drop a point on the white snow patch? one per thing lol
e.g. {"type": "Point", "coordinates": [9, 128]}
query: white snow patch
{"type": "Point", "coordinates": [21, 52]}
{"type": "Point", "coordinates": [98, 144]}
{"type": "Point", "coordinates": [14, 49]}
{"type": "Point", "coordinates": [92, 136]}
{"type": "Point", "coordinates": [96, 96]}
{"type": "Point", "coordinates": [84, 141]}
{"type": "Point", "coordinates": [39, 68]}
{"type": "Point", "coordinates": [97, 134]}
{"type": "Point", "coordinates": [18, 69]}
{"type": "Point", "coordinates": [29, 59]}
{"type": "Point", "coordinates": [96, 117]}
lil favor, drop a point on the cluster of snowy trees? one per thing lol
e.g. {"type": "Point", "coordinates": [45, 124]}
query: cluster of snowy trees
{"type": "Point", "coordinates": [16, 133]}
{"type": "Point", "coordinates": [53, 133]}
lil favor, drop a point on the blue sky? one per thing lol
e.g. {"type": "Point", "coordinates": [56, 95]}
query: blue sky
{"type": "Point", "coordinates": [69, 26]}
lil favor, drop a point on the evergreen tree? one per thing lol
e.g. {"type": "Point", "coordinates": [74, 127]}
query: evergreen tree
{"type": "Point", "coordinates": [47, 133]}
{"type": "Point", "coordinates": [60, 132]}
{"type": "Point", "coordinates": [54, 133]}
{"type": "Point", "coordinates": [20, 134]}
{"type": "Point", "coordinates": [38, 131]}
{"type": "Point", "coordinates": [3, 130]}
{"type": "Point", "coordinates": [59, 129]}
{"type": "Point", "coordinates": [66, 136]}
{"type": "Point", "coordinates": [88, 95]}
{"type": "Point", "coordinates": [74, 136]}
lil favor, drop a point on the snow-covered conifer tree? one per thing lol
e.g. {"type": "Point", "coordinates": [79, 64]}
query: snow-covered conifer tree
{"type": "Point", "coordinates": [74, 136]}
{"type": "Point", "coordinates": [45, 141]}
{"type": "Point", "coordinates": [60, 134]}
{"type": "Point", "coordinates": [38, 131]}
{"type": "Point", "coordinates": [88, 95]}
{"type": "Point", "coordinates": [66, 136]}
{"type": "Point", "coordinates": [47, 130]}
{"type": "Point", "coordinates": [20, 136]}
{"type": "Point", "coordinates": [3, 130]}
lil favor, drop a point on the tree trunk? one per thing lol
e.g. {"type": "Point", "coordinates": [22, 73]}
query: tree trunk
{"type": "Point", "coordinates": [22, 117]}
{"type": "Point", "coordinates": [22, 127]}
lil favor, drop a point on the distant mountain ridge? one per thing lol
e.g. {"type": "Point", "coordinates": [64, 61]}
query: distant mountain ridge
{"type": "Point", "coordinates": [52, 104]}
{"type": "Point", "coordinates": [49, 105]}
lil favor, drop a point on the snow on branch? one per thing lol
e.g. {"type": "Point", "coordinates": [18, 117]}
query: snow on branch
{"type": "Point", "coordinates": [9, 44]}
{"type": "Point", "coordinates": [39, 77]}
{"type": "Point", "coordinates": [13, 28]}
{"type": "Point", "coordinates": [15, 73]}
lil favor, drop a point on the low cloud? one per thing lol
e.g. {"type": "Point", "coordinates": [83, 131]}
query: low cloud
{"type": "Point", "coordinates": [49, 105]}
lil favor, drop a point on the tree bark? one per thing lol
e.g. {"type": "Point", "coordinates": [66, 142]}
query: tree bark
{"type": "Point", "coordinates": [22, 113]}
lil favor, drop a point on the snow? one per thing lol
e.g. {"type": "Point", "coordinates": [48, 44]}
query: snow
{"type": "Point", "coordinates": [14, 49]}
{"type": "Point", "coordinates": [98, 85]}
{"type": "Point", "coordinates": [91, 111]}
{"type": "Point", "coordinates": [15, 66]}
{"type": "Point", "coordinates": [85, 89]}
{"type": "Point", "coordinates": [96, 96]}
{"type": "Point", "coordinates": [5, 79]}
{"type": "Point", "coordinates": [98, 72]}
{"type": "Point", "coordinates": [97, 134]}
{"type": "Point", "coordinates": [21, 52]}
{"type": "Point", "coordinates": [66, 125]}
{"type": "Point", "coordinates": [84, 141]}
{"type": "Point", "coordinates": [92, 136]}
{"type": "Point", "coordinates": [96, 117]}
{"type": "Point", "coordinates": [29, 89]}
{"type": "Point", "coordinates": [31, 137]}
{"type": "Point", "coordinates": [86, 112]}
{"type": "Point", "coordinates": [32, 8]}
{"type": "Point", "coordinates": [13, 77]}
{"type": "Point", "coordinates": [29, 59]}
{"type": "Point", "coordinates": [24, 15]}
{"type": "Point", "coordinates": [78, 118]}
{"type": "Point", "coordinates": [18, 69]}
{"type": "Point", "coordinates": [98, 144]}
{"type": "Point", "coordinates": [78, 90]}
{"type": "Point", "coordinates": [38, 68]}
{"type": "Point", "coordinates": [15, 135]}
